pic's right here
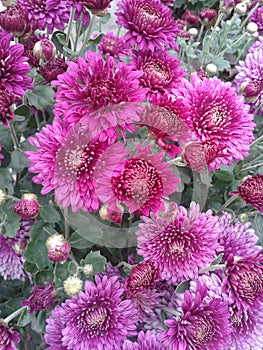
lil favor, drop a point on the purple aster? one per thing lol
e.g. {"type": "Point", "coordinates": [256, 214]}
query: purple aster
{"type": "Point", "coordinates": [41, 297]}
{"type": "Point", "coordinates": [91, 84]}
{"type": "Point", "coordinates": [141, 182]}
{"type": "Point", "coordinates": [161, 71]}
{"type": "Point", "coordinates": [46, 13]}
{"type": "Point", "coordinates": [249, 79]}
{"type": "Point", "coordinates": [145, 341]}
{"type": "Point", "coordinates": [53, 333]}
{"type": "Point", "coordinates": [113, 45]}
{"type": "Point", "coordinates": [203, 326]}
{"type": "Point", "coordinates": [257, 17]}
{"type": "Point", "coordinates": [235, 238]}
{"type": "Point", "coordinates": [7, 337]}
{"type": "Point", "coordinates": [13, 66]}
{"type": "Point", "coordinates": [11, 251]}
{"type": "Point", "coordinates": [219, 118]}
{"type": "Point", "coordinates": [243, 282]}
{"type": "Point", "coordinates": [98, 318]}
{"type": "Point", "coordinates": [42, 161]}
{"type": "Point", "coordinates": [149, 23]}
{"type": "Point", "coordinates": [179, 246]}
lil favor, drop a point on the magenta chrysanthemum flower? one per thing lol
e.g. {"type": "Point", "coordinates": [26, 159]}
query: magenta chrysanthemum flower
{"type": "Point", "coordinates": [161, 72]}
{"type": "Point", "coordinates": [146, 341]}
{"type": "Point", "coordinates": [80, 11]}
{"type": "Point", "coordinates": [53, 68]}
{"type": "Point", "coordinates": [42, 162]}
{"type": "Point", "coordinates": [98, 318]}
{"type": "Point", "coordinates": [13, 66]}
{"type": "Point", "coordinates": [6, 101]}
{"type": "Point", "coordinates": [236, 239]}
{"type": "Point", "coordinates": [203, 326]}
{"type": "Point", "coordinates": [11, 250]}
{"type": "Point", "coordinates": [90, 85]}
{"type": "Point", "coordinates": [257, 45]}
{"type": "Point", "coordinates": [46, 13]}
{"type": "Point", "coordinates": [7, 337]}
{"type": "Point", "coordinates": [41, 297]}
{"type": "Point", "coordinates": [219, 118]}
{"type": "Point", "coordinates": [141, 182]}
{"type": "Point", "coordinates": [53, 334]}
{"type": "Point", "coordinates": [113, 45]}
{"type": "Point", "coordinates": [13, 20]}
{"type": "Point", "coordinates": [97, 7]}
{"type": "Point", "coordinates": [249, 79]}
{"type": "Point", "coordinates": [244, 282]}
{"type": "Point", "coordinates": [181, 245]}
{"type": "Point", "coordinates": [150, 24]}
{"type": "Point", "coordinates": [257, 17]}
{"type": "Point", "coordinates": [251, 191]}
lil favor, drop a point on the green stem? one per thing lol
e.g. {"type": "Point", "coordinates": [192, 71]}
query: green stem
{"type": "Point", "coordinates": [170, 311]}
{"type": "Point", "coordinates": [124, 264]}
{"type": "Point", "coordinates": [71, 18]}
{"type": "Point", "coordinates": [77, 34]}
{"type": "Point", "coordinates": [248, 16]}
{"type": "Point", "coordinates": [259, 139]}
{"type": "Point", "coordinates": [212, 268]}
{"type": "Point", "coordinates": [66, 225]}
{"type": "Point", "coordinates": [13, 135]}
{"type": "Point", "coordinates": [228, 202]}
{"type": "Point", "coordinates": [72, 258]}
{"type": "Point", "coordinates": [251, 167]}
{"type": "Point", "coordinates": [201, 32]}
{"type": "Point", "coordinates": [14, 314]}
{"type": "Point", "coordinates": [87, 34]}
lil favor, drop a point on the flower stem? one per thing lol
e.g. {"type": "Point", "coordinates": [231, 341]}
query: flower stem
{"type": "Point", "coordinates": [66, 225]}
{"type": "Point", "coordinates": [87, 34]}
{"type": "Point", "coordinates": [248, 16]}
{"type": "Point", "coordinates": [71, 18]}
{"type": "Point", "coordinates": [228, 202]}
{"type": "Point", "coordinates": [170, 311]}
{"type": "Point", "coordinates": [259, 139]}
{"type": "Point", "coordinates": [13, 135]}
{"type": "Point", "coordinates": [14, 314]}
{"type": "Point", "coordinates": [212, 268]}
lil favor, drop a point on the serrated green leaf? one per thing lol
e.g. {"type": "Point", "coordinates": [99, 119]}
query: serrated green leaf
{"type": "Point", "coordinates": [97, 261]}
{"type": "Point", "coordinates": [36, 253]}
{"type": "Point", "coordinates": [218, 259]}
{"type": "Point", "coordinates": [61, 270]}
{"type": "Point", "coordinates": [42, 276]}
{"type": "Point", "coordinates": [49, 214]}
{"type": "Point", "coordinates": [79, 242]}
{"type": "Point", "coordinates": [18, 160]}
{"type": "Point", "coordinates": [41, 96]}
{"type": "Point", "coordinates": [72, 268]}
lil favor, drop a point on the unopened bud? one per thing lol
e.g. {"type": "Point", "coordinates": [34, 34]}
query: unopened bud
{"type": "Point", "coordinates": [211, 69]}
{"type": "Point", "coordinates": [112, 214]}
{"type": "Point", "coordinates": [2, 197]}
{"type": "Point", "coordinates": [72, 285]}
{"type": "Point", "coordinates": [207, 15]}
{"type": "Point", "coordinates": [44, 49]}
{"type": "Point", "coordinates": [243, 218]}
{"type": "Point", "coordinates": [27, 207]}
{"type": "Point", "coordinates": [251, 90]}
{"type": "Point", "coordinates": [241, 9]}
{"type": "Point", "coordinates": [57, 247]}
{"type": "Point", "coordinates": [87, 269]}
{"type": "Point", "coordinates": [193, 32]}
{"type": "Point", "coordinates": [252, 28]}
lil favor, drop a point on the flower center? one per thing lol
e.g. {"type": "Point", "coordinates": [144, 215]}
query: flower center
{"type": "Point", "coordinates": [204, 331]}
{"type": "Point", "coordinates": [251, 285]}
{"type": "Point", "coordinates": [94, 320]}
{"type": "Point", "coordinates": [149, 13]}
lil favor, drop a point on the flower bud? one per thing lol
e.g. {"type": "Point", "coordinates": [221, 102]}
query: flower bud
{"type": "Point", "coordinates": [243, 218]}
{"type": "Point", "coordinates": [57, 247]}
{"type": "Point", "coordinates": [87, 269]}
{"type": "Point", "coordinates": [251, 191]}
{"type": "Point", "coordinates": [13, 20]}
{"type": "Point", "coordinates": [2, 197]}
{"type": "Point", "coordinates": [44, 49]}
{"type": "Point", "coordinates": [241, 9]}
{"type": "Point", "coordinates": [207, 15]}
{"type": "Point", "coordinates": [251, 90]}
{"type": "Point", "coordinates": [72, 285]}
{"type": "Point", "coordinates": [193, 32]}
{"type": "Point", "coordinates": [27, 207]}
{"type": "Point", "coordinates": [190, 17]}
{"type": "Point", "coordinates": [211, 69]}
{"type": "Point", "coordinates": [252, 28]}
{"type": "Point", "coordinates": [114, 215]}
{"type": "Point", "coordinates": [41, 297]}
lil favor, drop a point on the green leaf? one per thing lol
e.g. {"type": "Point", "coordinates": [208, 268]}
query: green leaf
{"type": "Point", "coordinates": [218, 259]}
{"type": "Point", "coordinates": [23, 111]}
{"type": "Point", "coordinates": [36, 253]}
{"type": "Point", "coordinates": [223, 175]}
{"type": "Point", "coordinates": [221, 63]}
{"type": "Point", "coordinates": [42, 276]}
{"type": "Point", "coordinates": [25, 318]}
{"type": "Point", "coordinates": [58, 39]}
{"type": "Point", "coordinates": [40, 324]}
{"type": "Point", "coordinates": [49, 214]}
{"type": "Point", "coordinates": [18, 160]}
{"type": "Point", "coordinates": [72, 268]}
{"type": "Point", "coordinates": [41, 96]}
{"type": "Point", "coordinates": [6, 181]}
{"type": "Point", "coordinates": [182, 287]}
{"type": "Point", "coordinates": [79, 242]}
{"type": "Point", "coordinates": [61, 270]}
{"type": "Point", "coordinates": [37, 232]}
{"type": "Point", "coordinates": [97, 261]}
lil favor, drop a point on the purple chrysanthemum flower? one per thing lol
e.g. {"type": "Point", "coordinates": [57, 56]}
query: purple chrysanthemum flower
{"type": "Point", "coordinates": [13, 66]}
{"type": "Point", "coordinates": [150, 24]}
{"type": "Point", "coordinates": [42, 162]}
{"type": "Point", "coordinates": [235, 238]}
{"type": "Point", "coordinates": [113, 45]}
{"type": "Point", "coordinates": [53, 68]}
{"type": "Point", "coordinates": [141, 182]}
{"type": "Point", "coordinates": [219, 118]}
{"type": "Point", "coordinates": [7, 337]}
{"type": "Point", "coordinates": [145, 341]}
{"type": "Point", "coordinates": [98, 318]}
{"type": "Point", "coordinates": [203, 326]}
{"type": "Point", "coordinates": [41, 297]}
{"type": "Point", "coordinates": [46, 13]}
{"type": "Point", "coordinates": [53, 334]}
{"type": "Point", "coordinates": [6, 101]}
{"type": "Point", "coordinates": [11, 250]}
{"type": "Point", "coordinates": [13, 20]}
{"type": "Point", "coordinates": [257, 17]}
{"type": "Point", "coordinates": [97, 7]}
{"type": "Point", "coordinates": [80, 11]}
{"type": "Point", "coordinates": [161, 71]}
{"type": "Point", "coordinates": [180, 245]}
{"type": "Point", "coordinates": [243, 282]}
{"type": "Point", "coordinates": [91, 84]}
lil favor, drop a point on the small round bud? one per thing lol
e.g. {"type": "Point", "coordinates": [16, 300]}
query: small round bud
{"type": "Point", "coordinates": [241, 9]}
{"type": "Point", "coordinates": [207, 15]}
{"type": "Point", "coordinates": [193, 32]}
{"type": "Point", "coordinates": [211, 69]}
{"type": "Point", "coordinates": [255, 35]}
{"type": "Point", "coordinates": [190, 17]}
{"type": "Point", "coordinates": [251, 90]}
{"type": "Point", "coordinates": [57, 247]}
{"type": "Point", "coordinates": [2, 197]}
{"type": "Point", "coordinates": [87, 269]}
{"type": "Point", "coordinates": [243, 218]}
{"type": "Point", "coordinates": [252, 28]}
{"type": "Point", "coordinates": [72, 285]}
{"type": "Point", "coordinates": [44, 49]}
{"type": "Point", "coordinates": [27, 207]}
{"type": "Point", "coordinates": [112, 214]}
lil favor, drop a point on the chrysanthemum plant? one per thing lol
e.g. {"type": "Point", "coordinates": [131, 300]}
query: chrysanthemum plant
{"type": "Point", "coordinates": [131, 178]}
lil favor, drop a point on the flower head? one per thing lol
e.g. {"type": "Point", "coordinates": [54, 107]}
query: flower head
{"type": "Point", "coordinates": [141, 182]}
{"type": "Point", "coordinates": [145, 341]}
{"type": "Point", "coordinates": [161, 72]}
{"type": "Point", "coordinates": [98, 318]}
{"type": "Point", "coordinates": [203, 326]}
{"type": "Point", "coordinates": [13, 20]}
{"type": "Point", "coordinates": [41, 297]}
{"type": "Point", "coordinates": [219, 118]}
{"type": "Point", "coordinates": [91, 84]}
{"type": "Point", "coordinates": [27, 207]}
{"type": "Point", "coordinates": [7, 337]}
{"type": "Point", "coordinates": [257, 17]}
{"type": "Point", "coordinates": [190, 17]}
{"type": "Point", "coordinates": [44, 49]}
{"type": "Point", "coordinates": [57, 247]}
{"type": "Point", "coordinates": [97, 7]}
{"type": "Point", "coordinates": [13, 66]}
{"type": "Point", "coordinates": [6, 101]}
{"type": "Point", "coordinates": [72, 285]}
{"type": "Point", "coordinates": [207, 15]}
{"type": "Point", "coordinates": [251, 191]}
{"type": "Point", "coordinates": [150, 24]}
{"type": "Point", "coordinates": [53, 334]}
{"type": "Point", "coordinates": [113, 45]}
{"type": "Point", "coordinates": [181, 244]}
{"type": "Point", "coordinates": [53, 68]}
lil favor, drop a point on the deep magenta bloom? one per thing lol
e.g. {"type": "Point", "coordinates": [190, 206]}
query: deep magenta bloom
{"type": "Point", "coordinates": [257, 17]}
{"type": "Point", "coordinates": [13, 20]}
{"type": "Point", "coordinates": [235, 238]}
{"type": "Point", "coordinates": [80, 10]}
{"type": "Point", "coordinates": [251, 191]}
{"type": "Point", "coordinates": [91, 84]}
{"type": "Point", "coordinates": [97, 7]}
{"type": "Point", "coordinates": [46, 13]}
{"type": "Point", "coordinates": [203, 326]}
{"type": "Point", "coordinates": [98, 318]}
{"type": "Point", "coordinates": [6, 101]}
{"type": "Point", "coordinates": [11, 250]}
{"type": "Point", "coordinates": [145, 341]}
{"type": "Point", "coordinates": [207, 14]}
{"type": "Point", "coordinates": [7, 337]}
{"type": "Point", "coordinates": [113, 45]}
{"type": "Point", "coordinates": [57, 247]}
{"type": "Point", "coordinates": [219, 118]}
{"type": "Point", "coordinates": [244, 282]}
{"type": "Point", "coordinates": [53, 334]}
{"type": "Point", "coordinates": [161, 72]}
{"type": "Point", "coordinates": [42, 162]}
{"type": "Point", "coordinates": [13, 66]}
{"type": "Point", "coordinates": [141, 182]}
{"type": "Point", "coordinates": [179, 244]}
{"type": "Point", "coordinates": [150, 24]}
{"type": "Point", "coordinates": [41, 297]}
{"type": "Point", "coordinates": [190, 17]}
{"type": "Point", "coordinates": [27, 207]}
{"type": "Point", "coordinates": [53, 68]}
